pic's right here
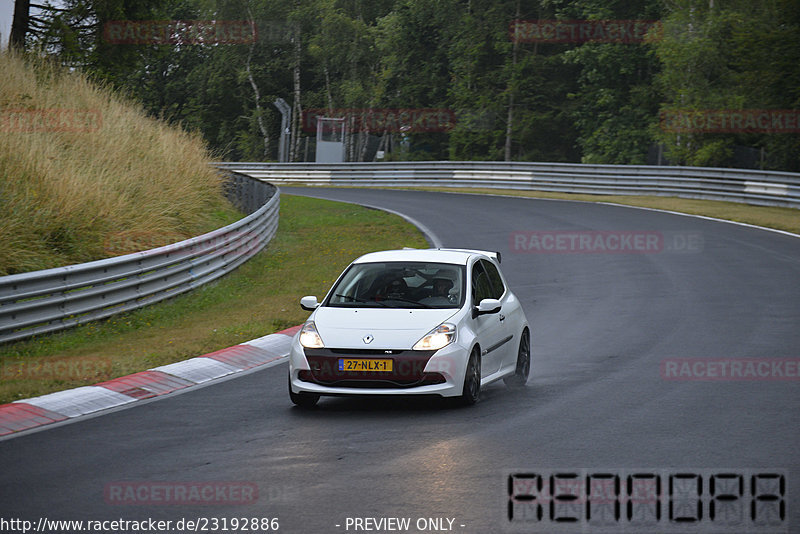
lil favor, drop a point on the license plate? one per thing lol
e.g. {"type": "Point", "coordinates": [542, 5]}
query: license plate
{"type": "Point", "coordinates": [346, 364]}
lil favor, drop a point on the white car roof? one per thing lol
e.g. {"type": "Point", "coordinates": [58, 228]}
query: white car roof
{"type": "Point", "coordinates": [457, 256]}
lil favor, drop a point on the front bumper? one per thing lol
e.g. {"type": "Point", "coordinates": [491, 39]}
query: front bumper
{"type": "Point", "coordinates": [414, 372]}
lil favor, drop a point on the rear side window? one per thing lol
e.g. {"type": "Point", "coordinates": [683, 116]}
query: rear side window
{"type": "Point", "coordinates": [498, 288]}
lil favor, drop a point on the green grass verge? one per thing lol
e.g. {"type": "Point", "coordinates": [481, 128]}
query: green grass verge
{"type": "Point", "coordinates": [316, 240]}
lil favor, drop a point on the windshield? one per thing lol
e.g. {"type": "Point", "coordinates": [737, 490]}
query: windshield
{"type": "Point", "coordinates": [400, 285]}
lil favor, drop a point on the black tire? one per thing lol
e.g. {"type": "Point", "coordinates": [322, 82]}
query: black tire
{"type": "Point", "coordinates": [472, 380]}
{"type": "Point", "coordinates": [520, 376]}
{"type": "Point", "coordinates": [303, 400]}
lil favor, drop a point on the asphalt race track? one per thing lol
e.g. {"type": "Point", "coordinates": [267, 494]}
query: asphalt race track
{"type": "Point", "coordinates": [609, 330]}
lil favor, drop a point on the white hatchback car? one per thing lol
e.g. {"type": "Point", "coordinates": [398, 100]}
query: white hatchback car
{"type": "Point", "coordinates": [412, 322]}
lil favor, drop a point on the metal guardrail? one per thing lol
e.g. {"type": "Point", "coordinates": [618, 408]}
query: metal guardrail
{"type": "Point", "coordinates": [765, 188]}
{"type": "Point", "coordinates": [53, 299]}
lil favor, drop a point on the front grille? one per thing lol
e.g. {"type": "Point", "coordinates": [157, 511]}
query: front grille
{"type": "Point", "coordinates": [407, 368]}
{"type": "Point", "coordinates": [366, 352]}
{"type": "Point", "coordinates": [427, 379]}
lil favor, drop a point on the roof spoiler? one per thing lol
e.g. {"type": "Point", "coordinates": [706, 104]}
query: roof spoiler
{"type": "Point", "coordinates": [492, 254]}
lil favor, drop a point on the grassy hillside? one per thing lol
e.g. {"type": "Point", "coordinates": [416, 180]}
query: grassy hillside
{"type": "Point", "coordinates": [85, 174]}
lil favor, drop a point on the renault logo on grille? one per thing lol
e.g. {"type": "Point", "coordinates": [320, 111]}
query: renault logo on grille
{"type": "Point", "coordinates": [367, 339]}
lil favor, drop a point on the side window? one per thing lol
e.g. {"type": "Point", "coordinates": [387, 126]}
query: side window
{"type": "Point", "coordinates": [494, 277]}
{"type": "Point", "coordinates": [481, 287]}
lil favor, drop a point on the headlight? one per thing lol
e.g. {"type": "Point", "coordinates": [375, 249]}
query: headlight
{"type": "Point", "coordinates": [309, 337]}
{"type": "Point", "coordinates": [439, 337]}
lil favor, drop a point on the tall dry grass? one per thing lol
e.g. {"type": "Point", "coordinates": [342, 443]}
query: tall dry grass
{"type": "Point", "coordinates": [85, 174]}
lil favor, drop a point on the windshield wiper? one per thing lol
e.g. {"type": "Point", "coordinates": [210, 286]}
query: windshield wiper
{"type": "Point", "coordinates": [401, 299]}
{"type": "Point", "coordinates": [356, 299]}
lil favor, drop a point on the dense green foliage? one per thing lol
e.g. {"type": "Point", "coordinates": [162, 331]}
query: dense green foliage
{"type": "Point", "coordinates": [596, 102]}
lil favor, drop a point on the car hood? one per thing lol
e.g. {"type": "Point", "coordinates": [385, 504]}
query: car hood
{"type": "Point", "coordinates": [390, 328]}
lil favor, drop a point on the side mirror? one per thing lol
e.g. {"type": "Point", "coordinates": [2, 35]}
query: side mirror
{"type": "Point", "coordinates": [486, 306]}
{"type": "Point", "coordinates": [309, 303]}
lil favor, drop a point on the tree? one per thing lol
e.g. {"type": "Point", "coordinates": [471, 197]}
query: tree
{"type": "Point", "coordinates": [730, 56]}
{"type": "Point", "coordinates": [597, 102]}
{"type": "Point", "coordinates": [20, 23]}
{"type": "Point", "coordinates": [616, 103]}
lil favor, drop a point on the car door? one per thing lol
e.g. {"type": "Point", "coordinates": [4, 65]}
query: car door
{"type": "Point", "coordinates": [489, 328]}
{"type": "Point", "coordinates": [508, 314]}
